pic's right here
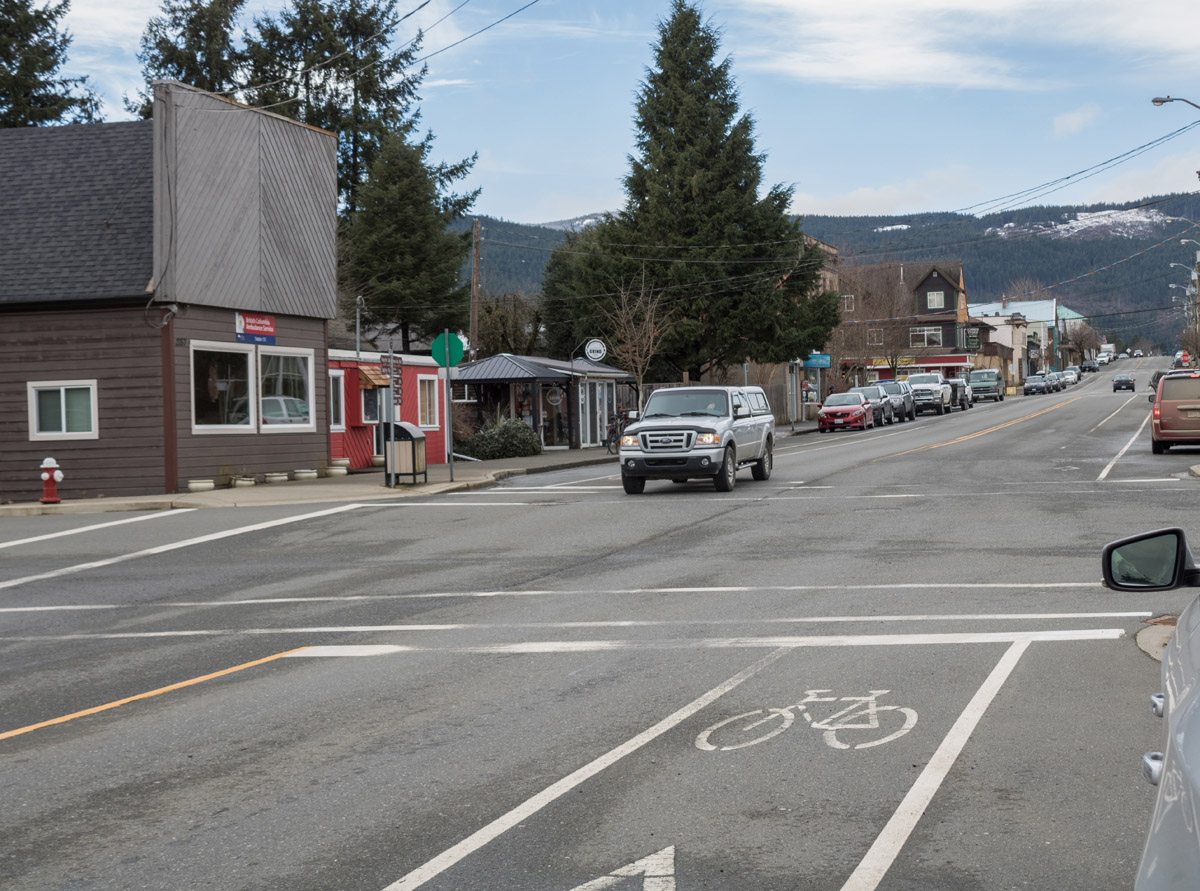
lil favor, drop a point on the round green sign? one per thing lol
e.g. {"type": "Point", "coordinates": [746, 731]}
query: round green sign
{"type": "Point", "coordinates": [439, 349]}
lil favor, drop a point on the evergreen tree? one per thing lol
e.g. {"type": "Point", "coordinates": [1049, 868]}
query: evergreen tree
{"type": "Point", "coordinates": [32, 50]}
{"type": "Point", "coordinates": [735, 278]}
{"type": "Point", "coordinates": [329, 63]}
{"type": "Point", "coordinates": [191, 42]}
{"type": "Point", "coordinates": [399, 253]}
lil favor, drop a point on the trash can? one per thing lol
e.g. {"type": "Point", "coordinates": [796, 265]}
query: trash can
{"type": "Point", "coordinates": [406, 452]}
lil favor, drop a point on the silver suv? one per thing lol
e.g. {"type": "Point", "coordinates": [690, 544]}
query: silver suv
{"type": "Point", "coordinates": [687, 432]}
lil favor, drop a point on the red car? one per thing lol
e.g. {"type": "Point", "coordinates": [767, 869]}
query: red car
{"type": "Point", "coordinates": [845, 410]}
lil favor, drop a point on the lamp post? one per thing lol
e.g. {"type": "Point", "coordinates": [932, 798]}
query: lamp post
{"type": "Point", "coordinates": [1163, 100]}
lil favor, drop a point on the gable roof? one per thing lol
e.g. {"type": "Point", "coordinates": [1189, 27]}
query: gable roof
{"type": "Point", "coordinates": [505, 367]}
{"type": "Point", "coordinates": [76, 212]}
{"type": "Point", "coordinates": [948, 272]}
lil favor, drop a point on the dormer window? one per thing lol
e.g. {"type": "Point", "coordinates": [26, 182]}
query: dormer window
{"type": "Point", "coordinates": [936, 299]}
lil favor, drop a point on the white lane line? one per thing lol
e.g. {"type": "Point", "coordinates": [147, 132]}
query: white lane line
{"type": "Point", "coordinates": [162, 549]}
{"type": "Point", "coordinates": [496, 828]}
{"type": "Point", "coordinates": [882, 853]}
{"type": "Point", "coordinates": [607, 476]}
{"type": "Point", "coordinates": [1132, 440]}
{"type": "Point", "coordinates": [1114, 414]}
{"type": "Point", "coordinates": [154, 516]}
{"type": "Point", "coordinates": [589, 646]}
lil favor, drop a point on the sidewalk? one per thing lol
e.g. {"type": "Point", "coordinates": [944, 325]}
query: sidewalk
{"type": "Point", "coordinates": [355, 486]}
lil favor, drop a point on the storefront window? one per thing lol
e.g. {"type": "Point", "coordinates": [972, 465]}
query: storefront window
{"type": "Point", "coordinates": [337, 413]}
{"type": "Point", "coordinates": [286, 396]}
{"type": "Point", "coordinates": [370, 406]}
{"type": "Point", "coordinates": [221, 388]}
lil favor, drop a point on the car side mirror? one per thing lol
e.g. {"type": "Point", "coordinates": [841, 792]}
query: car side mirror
{"type": "Point", "coordinates": [1152, 398]}
{"type": "Point", "coordinates": [1152, 561]}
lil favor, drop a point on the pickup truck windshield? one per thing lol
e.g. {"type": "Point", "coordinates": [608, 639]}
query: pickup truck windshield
{"type": "Point", "coordinates": [923, 379]}
{"type": "Point", "coordinates": [693, 403]}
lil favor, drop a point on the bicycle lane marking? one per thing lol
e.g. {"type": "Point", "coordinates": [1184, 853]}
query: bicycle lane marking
{"type": "Point", "coordinates": [498, 827]}
{"type": "Point", "coordinates": [883, 852]}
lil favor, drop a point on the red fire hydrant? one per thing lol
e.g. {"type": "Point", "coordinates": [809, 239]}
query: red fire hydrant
{"type": "Point", "coordinates": [51, 477]}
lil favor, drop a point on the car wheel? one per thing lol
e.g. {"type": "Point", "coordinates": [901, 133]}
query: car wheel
{"type": "Point", "coordinates": [727, 475]}
{"type": "Point", "coordinates": [633, 485]}
{"type": "Point", "coordinates": [890, 419]}
{"type": "Point", "coordinates": [1158, 447]}
{"type": "Point", "coordinates": [941, 409]}
{"type": "Point", "coordinates": [912, 415]}
{"type": "Point", "coordinates": [761, 469]}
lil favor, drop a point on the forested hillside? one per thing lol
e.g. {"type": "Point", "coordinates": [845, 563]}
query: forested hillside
{"type": "Point", "coordinates": [1108, 261]}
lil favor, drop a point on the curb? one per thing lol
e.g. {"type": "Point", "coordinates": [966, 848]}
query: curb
{"type": "Point", "coordinates": [1153, 639]}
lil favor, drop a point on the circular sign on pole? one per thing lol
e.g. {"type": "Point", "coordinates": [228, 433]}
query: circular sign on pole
{"type": "Point", "coordinates": [439, 349]}
{"type": "Point", "coordinates": [595, 349]}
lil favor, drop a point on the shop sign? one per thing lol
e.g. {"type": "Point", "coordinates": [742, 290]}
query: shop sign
{"type": "Point", "coordinates": [253, 327]}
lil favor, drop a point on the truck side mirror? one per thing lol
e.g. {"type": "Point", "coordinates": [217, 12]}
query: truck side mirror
{"type": "Point", "coordinates": [1155, 561]}
{"type": "Point", "coordinates": [1151, 398]}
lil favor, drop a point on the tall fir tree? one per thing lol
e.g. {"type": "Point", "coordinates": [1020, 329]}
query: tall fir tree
{"type": "Point", "coordinates": [330, 63]}
{"type": "Point", "coordinates": [398, 252]}
{"type": "Point", "coordinates": [736, 280]}
{"type": "Point", "coordinates": [192, 42]}
{"type": "Point", "coordinates": [33, 50]}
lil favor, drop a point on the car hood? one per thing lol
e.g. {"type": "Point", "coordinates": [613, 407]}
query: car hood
{"type": "Point", "coordinates": [689, 423]}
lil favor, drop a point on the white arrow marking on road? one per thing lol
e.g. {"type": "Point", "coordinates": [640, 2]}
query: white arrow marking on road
{"type": "Point", "coordinates": [657, 872]}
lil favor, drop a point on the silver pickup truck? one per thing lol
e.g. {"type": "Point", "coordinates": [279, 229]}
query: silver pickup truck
{"type": "Point", "coordinates": [689, 432]}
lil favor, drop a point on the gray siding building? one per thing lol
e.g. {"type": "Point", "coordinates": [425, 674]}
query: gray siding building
{"type": "Point", "coordinates": [165, 288]}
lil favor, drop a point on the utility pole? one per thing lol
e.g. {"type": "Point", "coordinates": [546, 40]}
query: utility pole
{"type": "Point", "coordinates": [475, 289]}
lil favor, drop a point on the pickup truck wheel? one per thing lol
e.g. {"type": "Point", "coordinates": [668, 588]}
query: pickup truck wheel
{"type": "Point", "coordinates": [912, 413]}
{"type": "Point", "coordinates": [633, 485]}
{"type": "Point", "coordinates": [761, 469]}
{"type": "Point", "coordinates": [941, 408]}
{"type": "Point", "coordinates": [727, 475]}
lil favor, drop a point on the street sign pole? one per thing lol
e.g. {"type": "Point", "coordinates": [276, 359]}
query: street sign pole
{"type": "Point", "coordinates": [449, 418]}
{"type": "Point", "coordinates": [390, 415]}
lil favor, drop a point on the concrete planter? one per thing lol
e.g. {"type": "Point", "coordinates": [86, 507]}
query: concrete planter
{"type": "Point", "coordinates": [336, 471]}
{"type": "Point", "coordinates": [378, 460]}
{"type": "Point", "coordinates": [201, 485]}
{"type": "Point", "coordinates": [242, 482]}
{"type": "Point", "coordinates": [304, 474]}
{"type": "Point", "coordinates": [276, 478]}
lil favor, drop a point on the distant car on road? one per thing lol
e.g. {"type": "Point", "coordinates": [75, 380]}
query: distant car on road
{"type": "Point", "coordinates": [1035, 383]}
{"type": "Point", "coordinates": [881, 402]}
{"type": "Point", "coordinates": [1089, 365]}
{"type": "Point", "coordinates": [1138, 354]}
{"type": "Point", "coordinates": [1123, 382]}
{"type": "Point", "coordinates": [987, 383]}
{"type": "Point", "coordinates": [901, 394]}
{"type": "Point", "coordinates": [1123, 356]}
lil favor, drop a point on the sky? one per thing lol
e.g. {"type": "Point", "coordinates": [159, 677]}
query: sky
{"type": "Point", "coordinates": [860, 106]}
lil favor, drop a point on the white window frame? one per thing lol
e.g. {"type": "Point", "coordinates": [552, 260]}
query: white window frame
{"type": "Point", "coordinates": [309, 354]}
{"type": "Point", "coordinates": [362, 406]}
{"type": "Point", "coordinates": [32, 388]}
{"type": "Point", "coordinates": [924, 331]}
{"type": "Point", "coordinates": [214, 346]}
{"type": "Point", "coordinates": [874, 337]}
{"type": "Point", "coordinates": [941, 299]}
{"type": "Point", "coordinates": [470, 393]}
{"type": "Point", "coordinates": [847, 303]}
{"type": "Point", "coordinates": [421, 379]}
{"type": "Point", "coordinates": [337, 391]}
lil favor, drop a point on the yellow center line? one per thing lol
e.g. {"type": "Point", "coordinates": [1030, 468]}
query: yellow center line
{"type": "Point", "coordinates": [147, 695]}
{"type": "Point", "coordinates": [938, 445]}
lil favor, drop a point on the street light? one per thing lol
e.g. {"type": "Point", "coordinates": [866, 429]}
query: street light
{"type": "Point", "coordinates": [1182, 266]}
{"type": "Point", "coordinates": [1163, 100]}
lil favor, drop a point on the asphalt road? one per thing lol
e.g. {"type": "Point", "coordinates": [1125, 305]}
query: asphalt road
{"type": "Point", "coordinates": [890, 666]}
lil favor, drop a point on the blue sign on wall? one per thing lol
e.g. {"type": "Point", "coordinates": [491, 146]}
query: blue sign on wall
{"type": "Point", "coordinates": [817, 360]}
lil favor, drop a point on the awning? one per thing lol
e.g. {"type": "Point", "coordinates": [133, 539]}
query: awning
{"type": "Point", "coordinates": [370, 377]}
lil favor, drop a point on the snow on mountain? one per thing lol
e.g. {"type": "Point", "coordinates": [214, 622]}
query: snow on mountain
{"type": "Point", "coordinates": [574, 224]}
{"type": "Point", "coordinates": [1132, 223]}
{"type": "Point", "coordinates": [898, 226]}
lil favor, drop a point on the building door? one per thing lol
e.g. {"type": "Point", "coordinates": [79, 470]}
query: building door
{"type": "Point", "coordinates": [597, 402]}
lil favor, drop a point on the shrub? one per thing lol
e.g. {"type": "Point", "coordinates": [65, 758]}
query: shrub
{"type": "Point", "coordinates": [508, 439]}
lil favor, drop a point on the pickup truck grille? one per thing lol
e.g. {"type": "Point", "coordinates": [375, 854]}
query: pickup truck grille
{"type": "Point", "coordinates": [667, 440]}
{"type": "Point", "coordinates": [923, 395]}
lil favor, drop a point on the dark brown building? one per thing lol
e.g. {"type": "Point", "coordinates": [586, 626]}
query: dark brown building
{"type": "Point", "coordinates": [165, 288]}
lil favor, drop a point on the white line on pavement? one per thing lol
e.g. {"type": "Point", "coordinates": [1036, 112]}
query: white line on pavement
{"type": "Point", "coordinates": [1132, 440]}
{"type": "Point", "coordinates": [162, 549]}
{"type": "Point", "coordinates": [879, 858]}
{"type": "Point", "coordinates": [496, 828]}
{"type": "Point", "coordinates": [1114, 414]}
{"type": "Point", "coordinates": [47, 537]}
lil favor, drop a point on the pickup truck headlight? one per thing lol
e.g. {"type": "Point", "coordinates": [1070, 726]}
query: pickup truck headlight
{"type": "Point", "coordinates": [707, 439]}
{"type": "Point", "coordinates": [629, 441]}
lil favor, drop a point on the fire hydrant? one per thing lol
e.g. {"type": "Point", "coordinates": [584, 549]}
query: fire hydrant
{"type": "Point", "coordinates": [51, 477]}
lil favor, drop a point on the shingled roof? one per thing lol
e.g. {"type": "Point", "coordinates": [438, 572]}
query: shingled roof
{"type": "Point", "coordinates": [76, 212]}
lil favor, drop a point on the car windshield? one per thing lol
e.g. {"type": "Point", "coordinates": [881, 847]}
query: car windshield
{"type": "Point", "coordinates": [1181, 387]}
{"type": "Point", "coordinates": [687, 403]}
{"type": "Point", "coordinates": [894, 389]}
{"type": "Point", "coordinates": [845, 399]}
{"type": "Point", "coordinates": [1034, 379]}
{"type": "Point", "coordinates": [869, 392]}
{"type": "Point", "coordinates": [1123, 377]}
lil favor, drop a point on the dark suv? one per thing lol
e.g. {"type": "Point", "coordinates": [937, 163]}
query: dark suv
{"type": "Point", "coordinates": [901, 394]}
{"type": "Point", "coordinates": [1089, 365]}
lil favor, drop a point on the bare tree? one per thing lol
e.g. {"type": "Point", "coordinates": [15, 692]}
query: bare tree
{"type": "Point", "coordinates": [1081, 337]}
{"type": "Point", "coordinates": [638, 325]}
{"type": "Point", "coordinates": [509, 323]}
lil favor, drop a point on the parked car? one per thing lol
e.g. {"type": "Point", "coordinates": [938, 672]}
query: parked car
{"type": "Point", "coordinates": [1175, 411]}
{"type": "Point", "coordinates": [1089, 365]}
{"type": "Point", "coordinates": [1053, 382]}
{"type": "Point", "coordinates": [1123, 356]}
{"type": "Point", "coordinates": [706, 432]}
{"type": "Point", "coordinates": [1102, 359]}
{"type": "Point", "coordinates": [880, 401]}
{"type": "Point", "coordinates": [1162, 561]}
{"type": "Point", "coordinates": [845, 410]}
{"type": "Point", "coordinates": [1071, 375]}
{"type": "Point", "coordinates": [903, 406]}
{"type": "Point", "coordinates": [1123, 382]}
{"type": "Point", "coordinates": [1182, 359]}
{"type": "Point", "coordinates": [987, 383]}
{"type": "Point", "coordinates": [1035, 383]}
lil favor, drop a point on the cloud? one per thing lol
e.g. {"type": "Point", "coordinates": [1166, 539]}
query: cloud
{"type": "Point", "coordinates": [941, 188]}
{"type": "Point", "coordinates": [980, 44]}
{"type": "Point", "coordinates": [1074, 121]}
{"type": "Point", "coordinates": [1170, 175]}
{"type": "Point", "coordinates": [446, 82]}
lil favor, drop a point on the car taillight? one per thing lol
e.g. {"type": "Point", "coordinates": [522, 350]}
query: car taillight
{"type": "Point", "coordinates": [1157, 413]}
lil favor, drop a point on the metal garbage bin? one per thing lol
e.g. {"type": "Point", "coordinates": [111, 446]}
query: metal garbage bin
{"type": "Point", "coordinates": [406, 452]}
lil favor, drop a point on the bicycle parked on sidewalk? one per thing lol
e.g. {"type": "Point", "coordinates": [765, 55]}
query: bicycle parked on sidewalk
{"type": "Point", "coordinates": [612, 435]}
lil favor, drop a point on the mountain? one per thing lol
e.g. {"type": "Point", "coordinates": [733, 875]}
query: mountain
{"type": "Point", "coordinates": [1107, 261]}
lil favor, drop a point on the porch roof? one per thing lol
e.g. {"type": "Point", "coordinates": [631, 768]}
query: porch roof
{"type": "Point", "coordinates": [507, 368]}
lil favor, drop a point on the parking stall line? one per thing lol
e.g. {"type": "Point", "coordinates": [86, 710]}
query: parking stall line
{"type": "Point", "coordinates": [154, 516]}
{"type": "Point", "coordinates": [1114, 414]}
{"type": "Point", "coordinates": [1113, 463]}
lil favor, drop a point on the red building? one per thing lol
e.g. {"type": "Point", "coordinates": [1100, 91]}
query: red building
{"type": "Point", "coordinates": [360, 393]}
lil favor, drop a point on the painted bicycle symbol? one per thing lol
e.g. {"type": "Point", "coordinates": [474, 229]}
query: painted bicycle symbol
{"type": "Point", "coordinates": [864, 713]}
